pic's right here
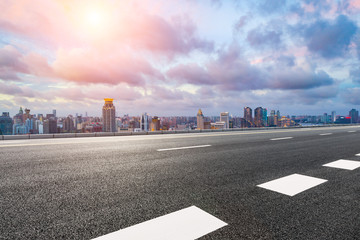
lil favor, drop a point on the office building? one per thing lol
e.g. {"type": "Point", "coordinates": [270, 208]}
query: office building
{"type": "Point", "coordinates": [144, 122]}
{"type": "Point", "coordinates": [354, 114]}
{"type": "Point", "coordinates": [6, 125]}
{"type": "Point", "coordinates": [68, 124]}
{"type": "Point", "coordinates": [248, 116]}
{"type": "Point", "coordinates": [333, 117]}
{"type": "Point", "coordinates": [54, 112]}
{"type": "Point", "coordinates": [224, 117]}
{"type": "Point", "coordinates": [50, 126]}
{"type": "Point", "coordinates": [155, 124]}
{"type": "Point", "coordinates": [200, 120]}
{"type": "Point", "coordinates": [264, 118]}
{"type": "Point", "coordinates": [108, 114]}
{"type": "Point", "coordinates": [258, 117]}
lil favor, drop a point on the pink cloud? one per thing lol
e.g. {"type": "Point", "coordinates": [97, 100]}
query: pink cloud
{"type": "Point", "coordinates": [112, 68]}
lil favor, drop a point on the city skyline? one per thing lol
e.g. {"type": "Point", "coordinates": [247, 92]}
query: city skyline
{"type": "Point", "coordinates": [171, 58]}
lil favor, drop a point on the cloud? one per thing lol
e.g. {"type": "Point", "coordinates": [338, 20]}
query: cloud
{"type": "Point", "coordinates": [232, 72]}
{"type": "Point", "coordinates": [298, 78]}
{"type": "Point", "coordinates": [11, 63]}
{"type": "Point", "coordinates": [269, 38]}
{"type": "Point", "coordinates": [65, 24]}
{"type": "Point", "coordinates": [240, 23]}
{"type": "Point", "coordinates": [269, 6]}
{"type": "Point", "coordinates": [329, 39]}
{"type": "Point", "coordinates": [351, 95]}
{"type": "Point", "coordinates": [355, 75]}
{"type": "Point", "coordinates": [191, 73]}
{"type": "Point", "coordinates": [83, 67]}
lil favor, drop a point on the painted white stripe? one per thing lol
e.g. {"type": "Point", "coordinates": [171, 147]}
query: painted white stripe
{"type": "Point", "coordinates": [186, 224]}
{"type": "Point", "coordinates": [358, 155]}
{"type": "Point", "coordinates": [284, 138]}
{"type": "Point", "coordinates": [179, 148]}
{"type": "Point", "coordinates": [325, 134]}
{"type": "Point", "coordinates": [343, 164]}
{"type": "Point", "coordinates": [292, 184]}
{"type": "Point", "coordinates": [351, 131]}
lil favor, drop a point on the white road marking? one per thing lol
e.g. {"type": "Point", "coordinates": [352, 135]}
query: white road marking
{"type": "Point", "coordinates": [284, 138]}
{"type": "Point", "coordinates": [358, 155]}
{"type": "Point", "coordinates": [292, 184]}
{"type": "Point", "coordinates": [186, 224]}
{"type": "Point", "coordinates": [325, 134]}
{"type": "Point", "coordinates": [343, 164]}
{"type": "Point", "coordinates": [179, 148]}
{"type": "Point", "coordinates": [351, 131]}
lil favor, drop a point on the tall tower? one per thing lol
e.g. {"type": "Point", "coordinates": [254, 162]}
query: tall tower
{"type": "Point", "coordinates": [248, 115]}
{"type": "Point", "coordinates": [108, 113]}
{"type": "Point", "coordinates": [224, 117]}
{"type": "Point", "coordinates": [200, 120]}
{"type": "Point", "coordinates": [258, 117]}
{"type": "Point", "coordinates": [144, 122]}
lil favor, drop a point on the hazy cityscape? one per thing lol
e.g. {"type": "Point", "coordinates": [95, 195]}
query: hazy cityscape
{"type": "Point", "coordinates": [26, 122]}
{"type": "Point", "coordinates": [180, 119]}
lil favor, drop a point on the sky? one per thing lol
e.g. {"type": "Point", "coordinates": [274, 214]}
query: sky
{"type": "Point", "coordinates": [172, 57]}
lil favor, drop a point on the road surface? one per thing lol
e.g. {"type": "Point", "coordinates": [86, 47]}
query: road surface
{"type": "Point", "coordinates": [265, 184]}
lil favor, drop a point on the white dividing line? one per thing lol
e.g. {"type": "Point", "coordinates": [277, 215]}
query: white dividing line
{"type": "Point", "coordinates": [351, 131]}
{"type": "Point", "coordinates": [179, 148]}
{"type": "Point", "coordinates": [358, 155]}
{"type": "Point", "coordinates": [325, 134]}
{"type": "Point", "coordinates": [292, 184]}
{"type": "Point", "coordinates": [343, 164]}
{"type": "Point", "coordinates": [284, 138]}
{"type": "Point", "coordinates": [186, 224]}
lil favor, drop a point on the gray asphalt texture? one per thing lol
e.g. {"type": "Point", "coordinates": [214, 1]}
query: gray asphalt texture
{"type": "Point", "coordinates": [88, 187]}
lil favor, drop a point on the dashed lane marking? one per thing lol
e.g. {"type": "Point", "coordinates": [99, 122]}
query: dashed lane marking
{"type": "Point", "coordinates": [180, 148]}
{"type": "Point", "coordinates": [292, 184]}
{"type": "Point", "coordinates": [358, 155]}
{"type": "Point", "coordinates": [351, 131]}
{"type": "Point", "coordinates": [343, 164]}
{"type": "Point", "coordinates": [325, 134]}
{"type": "Point", "coordinates": [283, 138]}
{"type": "Point", "coordinates": [186, 224]}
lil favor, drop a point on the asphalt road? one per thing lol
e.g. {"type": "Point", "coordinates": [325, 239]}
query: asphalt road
{"type": "Point", "coordinates": [83, 188]}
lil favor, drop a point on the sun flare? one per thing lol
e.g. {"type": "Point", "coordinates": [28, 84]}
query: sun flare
{"type": "Point", "coordinates": [94, 18]}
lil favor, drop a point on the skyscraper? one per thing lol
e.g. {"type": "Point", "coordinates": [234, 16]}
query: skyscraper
{"type": "Point", "coordinates": [248, 115]}
{"type": "Point", "coordinates": [258, 117]}
{"type": "Point", "coordinates": [155, 124]}
{"type": "Point", "coordinates": [54, 112]}
{"type": "Point", "coordinates": [200, 120]}
{"type": "Point", "coordinates": [333, 116]}
{"type": "Point", "coordinates": [224, 117]}
{"type": "Point", "coordinates": [265, 118]}
{"type": "Point", "coordinates": [354, 114]}
{"type": "Point", "coordinates": [144, 122]}
{"type": "Point", "coordinates": [108, 114]}
{"type": "Point", "coordinates": [6, 125]}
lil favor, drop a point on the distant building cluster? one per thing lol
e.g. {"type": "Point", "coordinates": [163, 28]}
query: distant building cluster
{"type": "Point", "coordinates": [24, 122]}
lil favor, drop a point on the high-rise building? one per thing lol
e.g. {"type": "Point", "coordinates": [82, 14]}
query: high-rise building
{"type": "Point", "coordinates": [54, 112]}
{"type": "Point", "coordinates": [108, 114]}
{"type": "Point", "coordinates": [6, 125]}
{"type": "Point", "coordinates": [200, 120]}
{"type": "Point", "coordinates": [144, 122]}
{"type": "Point", "coordinates": [333, 116]}
{"type": "Point", "coordinates": [155, 124]}
{"type": "Point", "coordinates": [354, 114]}
{"type": "Point", "coordinates": [50, 126]}
{"type": "Point", "coordinates": [68, 124]}
{"type": "Point", "coordinates": [265, 118]}
{"type": "Point", "coordinates": [224, 117]}
{"type": "Point", "coordinates": [258, 117]}
{"type": "Point", "coordinates": [278, 115]}
{"type": "Point", "coordinates": [248, 116]}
